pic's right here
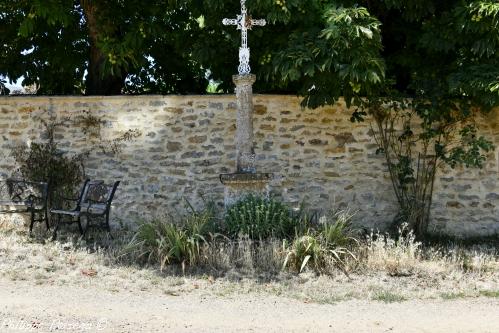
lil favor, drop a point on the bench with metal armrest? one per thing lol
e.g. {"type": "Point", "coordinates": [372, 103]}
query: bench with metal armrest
{"type": "Point", "coordinates": [93, 202]}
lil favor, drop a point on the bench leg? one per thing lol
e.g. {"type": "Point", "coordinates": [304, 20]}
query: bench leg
{"type": "Point", "coordinates": [108, 227]}
{"type": "Point", "coordinates": [79, 225]}
{"type": "Point", "coordinates": [46, 215]}
{"type": "Point", "coordinates": [56, 227]}
{"type": "Point", "coordinates": [32, 222]}
{"type": "Point", "coordinates": [86, 227]}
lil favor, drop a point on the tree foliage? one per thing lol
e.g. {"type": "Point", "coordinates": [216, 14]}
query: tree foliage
{"type": "Point", "coordinates": [416, 144]}
{"type": "Point", "coordinates": [318, 49]}
{"type": "Point", "coordinates": [71, 46]}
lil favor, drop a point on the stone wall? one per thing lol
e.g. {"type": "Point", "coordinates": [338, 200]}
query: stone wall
{"type": "Point", "coordinates": [318, 156]}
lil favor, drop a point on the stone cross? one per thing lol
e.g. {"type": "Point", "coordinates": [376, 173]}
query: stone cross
{"type": "Point", "coordinates": [244, 22]}
{"type": "Point", "coordinates": [245, 180]}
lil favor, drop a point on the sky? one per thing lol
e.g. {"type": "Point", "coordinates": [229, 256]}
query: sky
{"type": "Point", "coordinates": [15, 86]}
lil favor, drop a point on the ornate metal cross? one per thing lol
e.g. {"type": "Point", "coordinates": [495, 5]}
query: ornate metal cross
{"type": "Point", "coordinates": [244, 22]}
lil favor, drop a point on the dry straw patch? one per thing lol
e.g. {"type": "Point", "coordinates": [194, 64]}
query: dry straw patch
{"type": "Point", "coordinates": [407, 257]}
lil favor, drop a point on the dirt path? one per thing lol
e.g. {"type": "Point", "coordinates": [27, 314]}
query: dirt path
{"type": "Point", "coordinates": [28, 307]}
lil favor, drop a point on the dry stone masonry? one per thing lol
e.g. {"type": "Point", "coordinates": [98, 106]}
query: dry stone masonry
{"type": "Point", "coordinates": [319, 157]}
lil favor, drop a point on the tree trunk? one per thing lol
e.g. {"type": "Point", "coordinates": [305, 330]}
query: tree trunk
{"type": "Point", "coordinates": [98, 82]}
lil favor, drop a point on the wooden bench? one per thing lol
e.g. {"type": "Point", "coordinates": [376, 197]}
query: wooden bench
{"type": "Point", "coordinates": [93, 202]}
{"type": "Point", "coordinates": [25, 197]}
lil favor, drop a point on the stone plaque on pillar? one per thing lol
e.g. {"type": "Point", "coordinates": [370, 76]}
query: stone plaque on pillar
{"type": "Point", "coordinates": [240, 185]}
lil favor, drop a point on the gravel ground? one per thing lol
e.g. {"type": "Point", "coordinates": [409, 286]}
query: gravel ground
{"type": "Point", "coordinates": [43, 308]}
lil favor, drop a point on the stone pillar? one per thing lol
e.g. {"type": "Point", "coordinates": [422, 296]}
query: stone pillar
{"type": "Point", "coordinates": [245, 180]}
{"type": "Point", "coordinates": [245, 153]}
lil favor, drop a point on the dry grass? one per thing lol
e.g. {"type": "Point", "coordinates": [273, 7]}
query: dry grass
{"type": "Point", "coordinates": [386, 271]}
{"type": "Point", "coordinates": [246, 256]}
{"type": "Point", "coordinates": [407, 257]}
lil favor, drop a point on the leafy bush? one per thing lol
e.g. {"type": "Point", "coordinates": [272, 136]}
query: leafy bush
{"type": "Point", "coordinates": [194, 240]}
{"type": "Point", "coordinates": [164, 242]}
{"type": "Point", "coordinates": [329, 244]}
{"type": "Point", "coordinates": [45, 162]}
{"type": "Point", "coordinates": [417, 138]}
{"type": "Point", "coordinates": [201, 222]}
{"type": "Point", "coordinates": [302, 251]}
{"type": "Point", "coordinates": [336, 229]}
{"type": "Point", "coordinates": [261, 218]}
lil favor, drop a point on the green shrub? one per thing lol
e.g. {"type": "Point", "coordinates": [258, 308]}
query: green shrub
{"type": "Point", "coordinates": [201, 222]}
{"type": "Point", "coordinates": [302, 251]}
{"type": "Point", "coordinates": [336, 231]}
{"type": "Point", "coordinates": [260, 218]}
{"type": "Point", "coordinates": [166, 242]}
{"type": "Point", "coordinates": [327, 244]}
{"type": "Point", "coordinates": [163, 242]}
{"type": "Point", "coordinates": [258, 224]}
{"type": "Point", "coordinates": [44, 162]}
